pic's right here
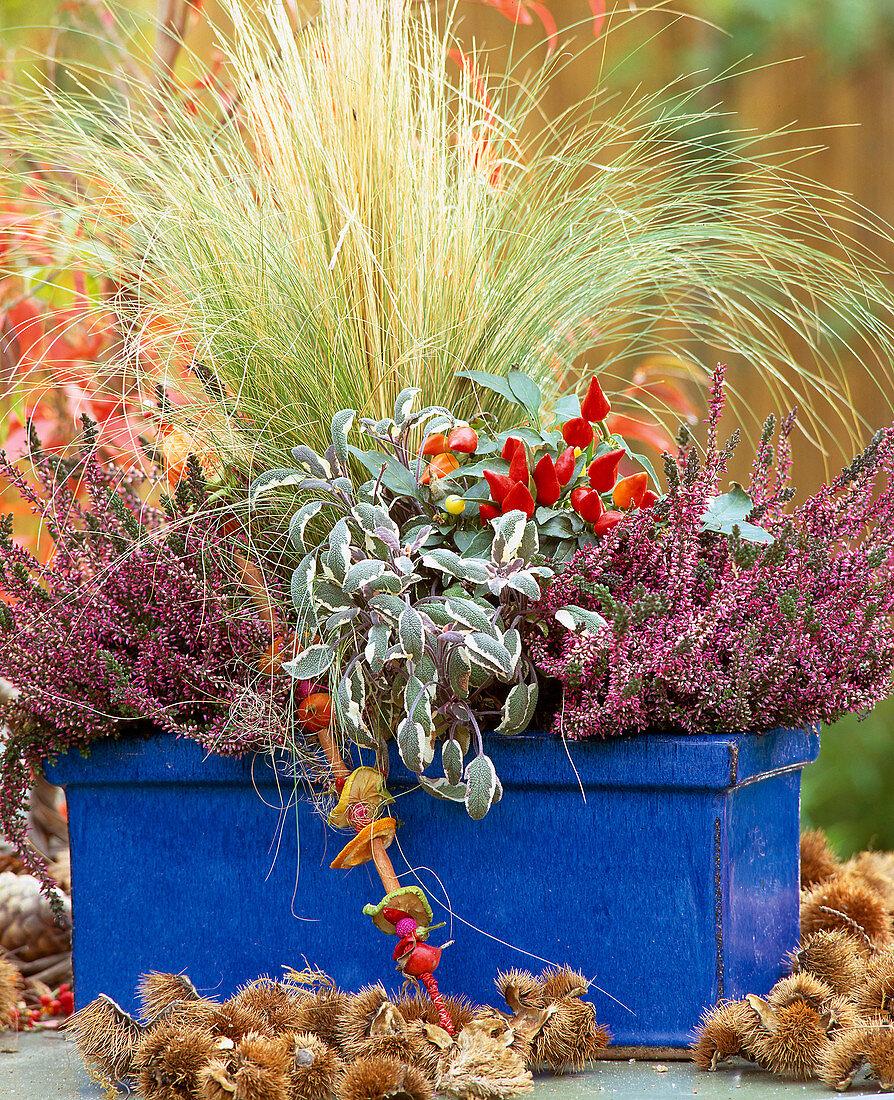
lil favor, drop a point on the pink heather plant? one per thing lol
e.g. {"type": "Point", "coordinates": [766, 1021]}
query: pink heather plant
{"type": "Point", "coordinates": [709, 633]}
{"type": "Point", "coordinates": [134, 626]}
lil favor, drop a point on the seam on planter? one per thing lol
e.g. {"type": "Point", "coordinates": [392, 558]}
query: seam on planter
{"type": "Point", "coordinates": [771, 774]}
{"type": "Point", "coordinates": [718, 907]}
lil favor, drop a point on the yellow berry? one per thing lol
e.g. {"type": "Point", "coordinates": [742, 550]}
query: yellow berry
{"type": "Point", "coordinates": [455, 505]}
{"type": "Point", "coordinates": [577, 452]}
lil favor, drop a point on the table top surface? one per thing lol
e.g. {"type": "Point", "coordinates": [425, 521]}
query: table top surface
{"type": "Point", "coordinates": [45, 1066]}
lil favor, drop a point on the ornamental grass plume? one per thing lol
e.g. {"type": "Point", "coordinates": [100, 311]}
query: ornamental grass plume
{"type": "Point", "coordinates": [135, 625]}
{"type": "Point", "coordinates": [368, 209]}
{"type": "Point", "coordinates": [707, 632]}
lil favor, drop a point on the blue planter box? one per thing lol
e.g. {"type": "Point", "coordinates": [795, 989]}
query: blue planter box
{"type": "Point", "coordinates": [663, 867]}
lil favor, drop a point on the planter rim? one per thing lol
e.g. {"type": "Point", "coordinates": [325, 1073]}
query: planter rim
{"type": "Point", "coordinates": [531, 760]}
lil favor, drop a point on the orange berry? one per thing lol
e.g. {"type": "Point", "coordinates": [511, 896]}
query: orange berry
{"type": "Point", "coordinates": [436, 444]}
{"type": "Point", "coordinates": [629, 491]}
{"type": "Point", "coordinates": [440, 466]}
{"type": "Point", "coordinates": [315, 712]}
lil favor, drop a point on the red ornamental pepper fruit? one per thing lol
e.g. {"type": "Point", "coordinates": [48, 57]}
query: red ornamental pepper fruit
{"type": "Point", "coordinates": [649, 499]}
{"type": "Point", "coordinates": [603, 471]}
{"type": "Point", "coordinates": [587, 503]}
{"type": "Point", "coordinates": [565, 465]}
{"type": "Point", "coordinates": [499, 484]}
{"type": "Point", "coordinates": [595, 406]}
{"type": "Point", "coordinates": [509, 447]}
{"type": "Point", "coordinates": [440, 466]}
{"type": "Point", "coordinates": [436, 444]}
{"type": "Point", "coordinates": [487, 512]}
{"type": "Point", "coordinates": [518, 463]}
{"type": "Point", "coordinates": [628, 493]}
{"type": "Point", "coordinates": [577, 433]}
{"type": "Point", "coordinates": [463, 440]}
{"type": "Point", "coordinates": [546, 482]}
{"type": "Point", "coordinates": [519, 499]}
{"type": "Point", "coordinates": [607, 521]}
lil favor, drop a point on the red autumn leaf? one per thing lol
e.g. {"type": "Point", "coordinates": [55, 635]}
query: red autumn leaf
{"type": "Point", "coordinates": [646, 431]}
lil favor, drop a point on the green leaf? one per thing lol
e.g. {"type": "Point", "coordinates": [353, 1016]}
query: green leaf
{"type": "Point", "coordinates": [362, 573]}
{"type": "Point", "coordinates": [489, 654]}
{"type": "Point", "coordinates": [518, 708]}
{"type": "Point", "coordinates": [351, 701]}
{"type": "Point", "coordinates": [302, 584]}
{"type": "Point", "coordinates": [509, 529]}
{"type": "Point", "coordinates": [314, 464]}
{"type": "Point", "coordinates": [274, 479]}
{"type": "Point", "coordinates": [412, 633]}
{"type": "Point", "coordinates": [482, 787]}
{"type": "Point", "coordinates": [459, 671]}
{"type": "Point", "coordinates": [481, 544]}
{"type": "Point", "coordinates": [473, 616]}
{"type": "Point", "coordinates": [567, 407]}
{"type": "Point", "coordinates": [414, 745]}
{"type": "Point", "coordinates": [403, 406]}
{"type": "Point", "coordinates": [579, 618]}
{"type": "Point", "coordinates": [729, 510]}
{"type": "Point", "coordinates": [339, 557]}
{"type": "Point", "coordinates": [376, 647]}
{"type": "Point", "coordinates": [396, 477]}
{"type": "Point", "coordinates": [452, 761]}
{"type": "Point", "coordinates": [389, 606]}
{"type": "Point", "coordinates": [311, 664]}
{"type": "Point", "coordinates": [495, 382]}
{"type": "Point", "coordinates": [464, 569]}
{"type": "Point", "coordinates": [443, 788]}
{"type": "Point", "coordinates": [525, 583]}
{"type": "Point", "coordinates": [299, 521]}
{"type": "Point", "coordinates": [341, 425]}
{"type": "Point", "coordinates": [526, 392]}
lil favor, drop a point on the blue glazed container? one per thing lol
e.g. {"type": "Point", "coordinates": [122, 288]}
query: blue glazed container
{"type": "Point", "coordinates": [663, 867]}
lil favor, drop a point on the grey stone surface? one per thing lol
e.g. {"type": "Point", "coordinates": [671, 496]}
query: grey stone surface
{"type": "Point", "coordinates": [43, 1066]}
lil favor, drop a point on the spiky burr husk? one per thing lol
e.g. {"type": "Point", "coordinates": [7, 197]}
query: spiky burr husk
{"type": "Point", "coordinates": [875, 995]}
{"type": "Point", "coordinates": [236, 1021]}
{"type": "Point", "coordinates": [520, 989]}
{"type": "Point", "coordinates": [316, 1066]}
{"type": "Point", "coordinates": [876, 869]}
{"type": "Point", "coordinates": [728, 1030]}
{"type": "Point", "coordinates": [852, 1049]}
{"type": "Point", "coordinates": [837, 958]}
{"type": "Point", "coordinates": [271, 1000]}
{"type": "Point", "coordinates": [846, 902]}
{"type": "Point", "coordinates": [818, 861]}
{"type": "Point", "coordinates": [570, 1035]}
{"type": "Point", "coordinates": [321, 1014]}
{"type": "Point", "coordinates": [382, 1079]}
{"type": "Point", "coordinates": [107, 1037]}
{"type": "Point", "coordinates": [216, 1080]}
{"type": "Point", "coordinates": [10, 980]}
{"type": "Point", "coordinates": [355, 1022]}
{"type": "Point", "coordinates": [460, 1009]}
{"type": "Point", "coordinates": [801, 987]}
{"type": "Point", "coordinates": [156, 992]}
{"type": "Point", "coordinates": [169, 1061]}
{"type": "Point", "coordinates": [483, 1064]}
{"type": "Point", "coordinates": [263, 1067]}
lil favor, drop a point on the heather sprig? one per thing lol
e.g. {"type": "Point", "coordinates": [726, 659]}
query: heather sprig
{"type": "Point", "coordinates": [709, 632]}
{"type": "Point", "coordinates": [135, 624]}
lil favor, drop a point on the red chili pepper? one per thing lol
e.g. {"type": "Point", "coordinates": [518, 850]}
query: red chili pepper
{"type": "Point", "coordinates": [435, 444]}
{"type": "Point", "coordinates": [519, 499]}
{"type": "Point", "coordinates": [464, 440]}
{"type": "Point", "coordinates": [509, 447]}
{"type": "Point", "coordinates": [499, 484]}
{"type": "Point", "coordinates": [546, 482]}
{"type": "Point", "coordinates": [565, 465]}
{"type": "Point", "coordinates": [487, 512]}
{"type": "Point", "coordinates": [595, 406]}
{"type": "Point", "coordinates": [518, 464]}
{"type": "Point", "coordinates": [577, 433]}
{"type": "Point", "coordinates": [603, 470]}
{"type": "Point", "coordinates": [650, 498]}
{"type": "Point", "coordinates": [587, 503]}
{"type": "Point", "coordinates": [628, 493]}
{"type": "Point", "coordinates": [607, 521]}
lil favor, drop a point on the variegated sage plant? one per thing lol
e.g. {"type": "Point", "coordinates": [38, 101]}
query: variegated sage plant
{"type": "Point", "coordinates": [381, 602]}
